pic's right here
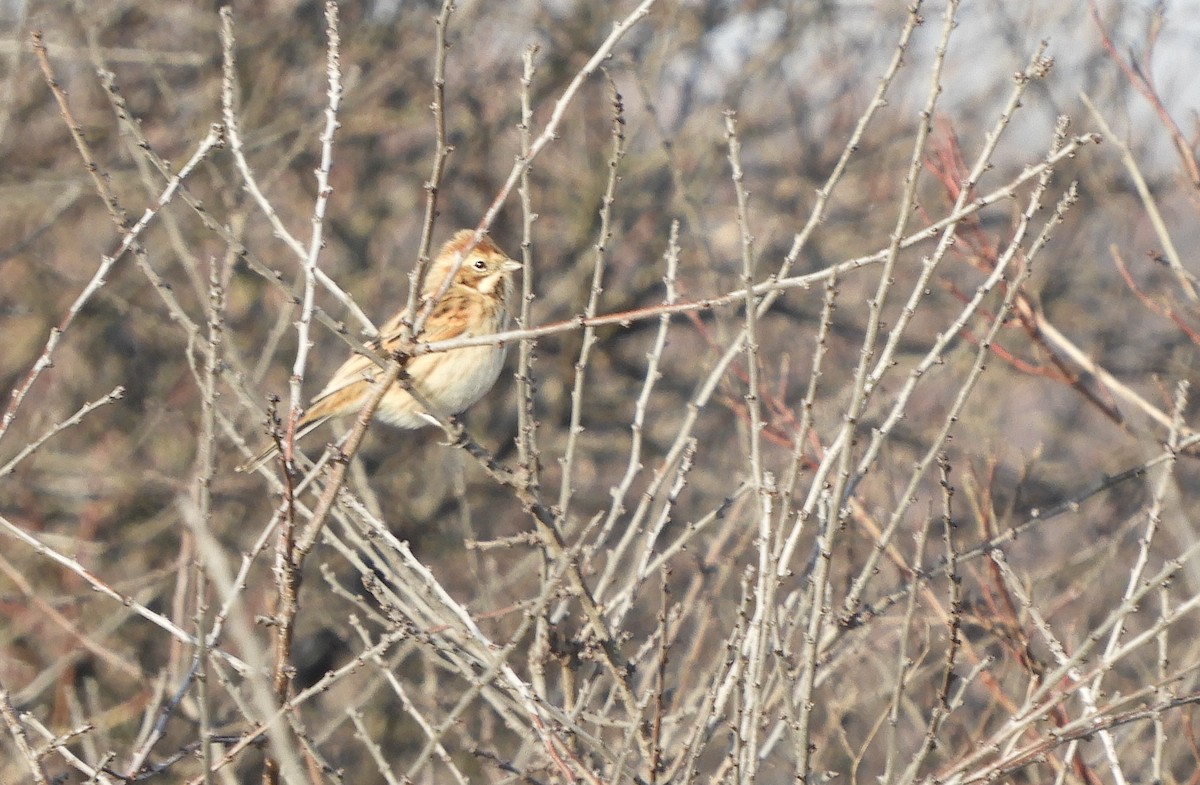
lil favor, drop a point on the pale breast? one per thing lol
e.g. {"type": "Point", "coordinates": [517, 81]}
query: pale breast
{"type": "Point", "coordinates": [454, 380]}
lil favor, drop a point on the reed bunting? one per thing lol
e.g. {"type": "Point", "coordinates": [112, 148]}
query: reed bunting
{"type": "Point", "coordinates": [477, 303]}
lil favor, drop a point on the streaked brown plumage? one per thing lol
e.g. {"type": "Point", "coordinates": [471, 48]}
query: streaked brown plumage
{"type": "Point", "coordinates": [477, 303]}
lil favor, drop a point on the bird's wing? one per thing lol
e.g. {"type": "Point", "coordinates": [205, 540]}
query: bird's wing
{"type": "Point", "coordinates": [356, 368]}
{"type": "Point", "coordinates": [458, 308]}
{"type": "Point", "coordinates": [449, 319]}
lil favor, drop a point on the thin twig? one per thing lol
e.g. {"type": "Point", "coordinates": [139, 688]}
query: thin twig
{"type": "Point", "coordinates": [9, 713]}
{"type": "Point", "coordinates": [1187, 281]}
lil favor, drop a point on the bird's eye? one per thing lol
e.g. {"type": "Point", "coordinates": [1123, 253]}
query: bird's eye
{"type": "Point", "coordinates": [479, 265]}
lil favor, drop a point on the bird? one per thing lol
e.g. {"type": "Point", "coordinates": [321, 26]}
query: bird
{"type": "Point", "coordinates": [476, 303]}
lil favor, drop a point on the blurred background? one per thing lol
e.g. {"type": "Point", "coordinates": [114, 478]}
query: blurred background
{"type": "Point", "coordinates": [1041, 428]}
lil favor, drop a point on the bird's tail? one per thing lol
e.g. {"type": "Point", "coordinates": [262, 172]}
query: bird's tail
{"type": "Point", "coordinates": [271, 450]}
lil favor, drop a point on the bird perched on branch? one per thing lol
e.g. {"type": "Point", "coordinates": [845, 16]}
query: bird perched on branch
{"type": "Point", "coordinates": [477, 303]}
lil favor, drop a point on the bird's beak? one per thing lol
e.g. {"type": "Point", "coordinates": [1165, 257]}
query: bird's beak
{"type": "Point", "coordinates": [511, 266]}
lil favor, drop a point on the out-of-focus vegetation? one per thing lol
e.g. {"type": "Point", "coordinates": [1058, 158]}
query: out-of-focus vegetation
{"type": "Point", "coordinates": [707, 555]}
